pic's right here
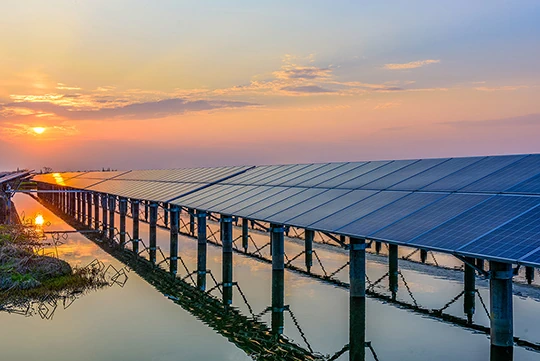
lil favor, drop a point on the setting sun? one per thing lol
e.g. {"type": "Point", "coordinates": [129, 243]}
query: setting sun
{"type": "Point", "coordinates": [39, 220]}
{"type": "Point", "coordinates": [39, 130]}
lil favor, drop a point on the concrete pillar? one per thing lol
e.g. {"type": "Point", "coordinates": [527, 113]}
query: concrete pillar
{"type": "Point", "coordinates": [393, 269]}
{"type": "Point", "coordinates": [423, 255]}
{"type": "Point", "coordinates": [245, 234]}
{"type": "Point", "coordinates": [201, 249]}
{"type": "Point", "coordinates": [278, 277]}
{"type": "Point", "coordinates": [357, 299]}
{"type": "Point", "coordinates": [175, 223]}
{"type": "Point", "coordinates": [529, 274]}
{"type": "Point", "coordinates": [73, 205]}
{"type": "Point", "coordinates": [96, 211]}
{"type": "Point", "coordinates": [153, 231]}
{"type": "Point", "coordinates": [122, 208]}
{"type": "Point", "coordinates": [469, 280]}
{"type": "Point", "coordinates": [112, 210]}
{"type": "Point", "coordinates": [502, 329]}
{"type": "Point", "coordinates": [309, 236]}
{"type": "Point", "coordinates": [135, 217]}
{"type": "Point", "coordinates": [104, 213]}
{"type": "Point", "coordinates": [227, 258]}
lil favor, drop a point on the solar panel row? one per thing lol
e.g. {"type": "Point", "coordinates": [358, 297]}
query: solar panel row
{"type": "Point", "coordinates": [474, 206]}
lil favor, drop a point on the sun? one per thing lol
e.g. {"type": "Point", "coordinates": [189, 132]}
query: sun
{"type": "Point", "coordinates": [39, 220]}
{"type": "Point", "coordinates": [39, 130]}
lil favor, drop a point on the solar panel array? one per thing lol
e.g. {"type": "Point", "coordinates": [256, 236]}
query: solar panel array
{"type": "Point", "coordinates": [485, 207]}
{"type": "Point", "coordinates": [9, 176]}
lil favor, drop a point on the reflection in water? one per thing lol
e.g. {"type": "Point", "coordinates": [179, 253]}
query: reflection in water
{"type": "Point", "coordinates": [46, 305]}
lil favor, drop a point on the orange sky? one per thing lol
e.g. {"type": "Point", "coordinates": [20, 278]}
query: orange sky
{"type": "Point", "coordinates": [148, 85]}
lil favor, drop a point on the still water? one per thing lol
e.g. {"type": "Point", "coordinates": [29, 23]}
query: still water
{"type": "Point", "coordinates": [137, 322]}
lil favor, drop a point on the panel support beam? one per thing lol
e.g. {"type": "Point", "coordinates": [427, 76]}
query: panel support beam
{"type": "Point", "coordinates": [112, 210]}
{"type": "Point", "coordinates": [245, 234]}
{"type": "Point", "coordinates": [122, 208]}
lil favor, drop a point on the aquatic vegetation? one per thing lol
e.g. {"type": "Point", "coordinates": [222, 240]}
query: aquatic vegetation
{"type": "Point", "coordinates": [26, 275]}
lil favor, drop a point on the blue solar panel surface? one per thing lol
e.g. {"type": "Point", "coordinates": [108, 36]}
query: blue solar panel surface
{"type": "Point", "coordinates": [512, 240]}
{"type": "Point", "coordinates": [479, 206]}
{"type": "Point", "coordinates": [475, 222]}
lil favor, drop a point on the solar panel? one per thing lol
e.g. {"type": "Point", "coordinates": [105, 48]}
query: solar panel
{"type": "Point", "coordinates": [472, 173]}
{"type": "Point", "coordinates": [353, 173]}
{"type": "Point", "coordinates": [507, 177]}
{"type": "Point", "coordinates": [434, 174]}
{"type": "Point", "coordinates": [271, 179]}
{"type": "Point", "coordinates": [284, 215]}
{"type": "Point", "coordinates": [324, 169]}
{"type": "Point", "coordinates": [346, 215]}
{"type": "Point", "coordinates": [246, 199]}
{"type": "Point", "coordinates": [255, 204]}
{"type": "Point", "coordinates": [375, 174]}
{"type": "Point", "coordinates": [266, 209]}
{"type": "Point", "coordinates": [512, 240]}
{"type": "Point", "coordinates": [429, 217]}
{"type": "Point", "coordinates": [530, 186]}
{"type": "Point", "coordinates": [270, 172]}
{"type": "Point", "coordinates": [532, 259]}
{"type": "Point", "coordinates": [475, 222]}
{"type": "Point", "coordinates": [403, 173]}
{"type": "Point", "coordinates": [329, 175]}
{"type": "Point", "coordinates": [225, 193]}
{"type": "Point", "coordinates": [390, 213]}
{"type": "Point", "coordinates": [212, 192]}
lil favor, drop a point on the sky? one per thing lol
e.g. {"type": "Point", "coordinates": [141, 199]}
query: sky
{"type": "Point", "coordinates": [136, 84]}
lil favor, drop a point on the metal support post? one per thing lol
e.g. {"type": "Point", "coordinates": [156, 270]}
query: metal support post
{"type": "Point", "coordinates": [166, 214]}
{"type": "Point", "coordinates": [309, 236]}
{"type": "Point", "coordinates": [112, 210]}
{"type": "Point", "coordinates": [245, 234]}
{"type": "Point", "coordinates": [378, 246]}
{"type": "Point", "coordinates": [192, 221]}
{"type": "Point", "coordinates": [122, 208]}
{"type": "Point", "coordinates": [96, 211]}
{"type": "Point", "coordinates": [393, 269]}
{"type": "Point", "coordinates": [469, 279]}
{"type": "Point", "coordinates": [227, 258]}
{"type": "Point", "coordinates": [423, 255]}
{"type": "Point", "coordinates": [174, 239]}
{"type": "Point", "coordinates": [357, 299]}
{"type": "Point", "coordinates": [83, 207]}
{"type": "Point", "coordinates": [278, 277]}
{"type": "Point", "coordinates": [135, 217]}
{"type": "Point", "coordinates": [104, 213]}
{"type": "Point", "coordinates": [89, 209]}
{"type": "Point", "coordinates": [502, 329]}
{"type": "Point", "coordinates": [201, 249]}
{"type": "Point", "coordinates": [153, 231]}
{"type": "Point", "coordinates": [529, 274]}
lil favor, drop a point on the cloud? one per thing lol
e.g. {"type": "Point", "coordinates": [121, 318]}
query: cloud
{"type": "Point", "coordinates": [501, 88]}
{"type": "Point", "coordinates": [411, 65]}
{"type": "Point", "coordinates": [387, 105]}
{"type": "Point", "coordinates": [145, 110]}
{"type": "Point", "coordinates": [62, 86]}
{"type": "Point", "coordinates": [310, 89]}
{"type": "Point", "coordinates": [517, 121]}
